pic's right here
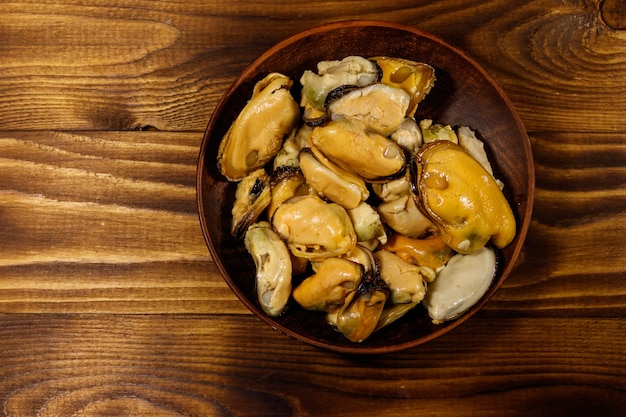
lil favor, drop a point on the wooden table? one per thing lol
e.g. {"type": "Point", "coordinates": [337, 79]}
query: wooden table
{"type": "Point", "coordinates": [110, 304]}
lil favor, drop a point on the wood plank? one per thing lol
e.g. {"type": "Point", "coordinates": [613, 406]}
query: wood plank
{"type": "Point", "coordinates": [167, 365]}
{"type": "Point", "coordinates": [112, 168]}
{"type": "Point", "coordinates": [104, 222]}
{"type": "Point", "coordinates": [103, 189]}
{"type": "Point", "coordinates": [573, 255]}
{"type": "Point", "coordinates": [76, 66]}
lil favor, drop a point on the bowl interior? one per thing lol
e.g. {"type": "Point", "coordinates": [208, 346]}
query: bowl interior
{"type": "Point", "coordinates": [464, 94]}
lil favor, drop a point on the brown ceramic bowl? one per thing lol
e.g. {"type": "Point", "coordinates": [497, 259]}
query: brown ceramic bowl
{"type": "Point", "coordinates": [464, 94]}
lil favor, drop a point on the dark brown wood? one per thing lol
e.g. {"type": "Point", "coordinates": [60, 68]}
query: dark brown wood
{"type": "Point", "coordinates": [614, 13]}
{"type": "Point", "coordinates": [110, 303]}
{"type": "Point", "coordinates": [209, 365]}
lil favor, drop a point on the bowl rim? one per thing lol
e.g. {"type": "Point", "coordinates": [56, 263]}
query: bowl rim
{"type": "Point", "coordinates": [524, 220]}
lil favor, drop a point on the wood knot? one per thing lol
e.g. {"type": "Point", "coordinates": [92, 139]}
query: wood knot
{"type": "Point", "coordinates": [613, 12]}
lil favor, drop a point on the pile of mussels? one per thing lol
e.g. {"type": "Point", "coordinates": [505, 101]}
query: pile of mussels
{"type": "Point", "coordinates": [353, 207]}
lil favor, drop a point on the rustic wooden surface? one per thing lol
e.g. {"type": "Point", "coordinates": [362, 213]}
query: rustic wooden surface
{"type": "Point", "coordinates": [110, 304]}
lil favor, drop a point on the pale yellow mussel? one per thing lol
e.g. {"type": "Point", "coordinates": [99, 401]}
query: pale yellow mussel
{"type": "Point", "coordinates": [393, 189]}
{"type": "Point", "coordinates": [432, 132]}
{"type": "Point", "coordinates": [314, 228]}
{"type": "Point", "coordinates": [331, 181]}
{"type": "Point", "coordinates": [288, 155]}
{"type": "Point", "coordinates": [406, 282]}
{"type": "Point", "coordinates": [332, 74]}
{"type": "Point", "coordinates": [462, 198]}
{"type": "Point", "coordinates": [327, 289]}
{"type": "Point", "coordinates": [368, 225]}
{"type": "Point", "coordinates": [404, 216]}
{"type": "Point", "coordinates": [416, 78]}
{"type": "Point", "coordinates": [364, 256]}
{"type": "Point", "coordinates": [349, 144]}
{"type": "Point", "coordinates": [476, 148]}
{"type": "Point", "coordinates": [398, 208]}
{"type": "Point", "coordinates": [460, 285]}
{"type": "Point", "coordinates": [258, 132]}
{"type": "Point", "coordinates": [382, 108]}
{"type": "Point", "coordinates": [408, 135]}
{"type": "Point", "coordinates": [273, 267]}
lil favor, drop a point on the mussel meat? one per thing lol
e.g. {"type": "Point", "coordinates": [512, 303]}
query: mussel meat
{"type": "Point", "coordinates": [432, 132]}
{"type": "Point", "coordinates": [351, 70]}
{"type": "Point", "coordinates": [460, 285]}
{"type": "Point", "coordinates": [286, 183]}
{"type": "Point", "coordinates": [258, 132]}
{"type": "Point", "coordinates": [326, 290]}
{"type": "Point", "coordinates": [392, 190]}
{"type": "Point", "coordinates": [462, 198]}
{"type": "Point", "coordinates": [368, 225]}
{"type": "Point", "coordinates": [314, 228]}
{"type": "Point", "coordinates": [476, 148]}
{"type": "Point", "coordinates": [431, 251]}
{"type": "Point", "coordinates": [381, 107]}
{"type": "Point", "coordinates": [358, 319]}
{"type": "Point", "coordinates": [331, 181]}
{"type": "Point", "coordinates": [273, 267]}
{"type": "Point", "coordinates": [404, 279]}
{"type": "Point", "coordinates": [252, 196]}
{"type": "Point", "coordinates": [404, 216]}
{"type": "Point", "coordinates": [408, 135]}
{"type": "Point", "coordinates": [416, 78]}
{"type": "Point", "coordinates": [349, 144]}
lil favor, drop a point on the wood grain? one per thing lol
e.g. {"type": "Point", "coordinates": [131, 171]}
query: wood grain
{"type": "Point", "coordinates": [151, 365]}
{"type": "Point", "coordinates": [165, 64]}
{"type": "Point", "coordinates": [111, 305]}
{"type": "Point", "coordinates": [127, 239]}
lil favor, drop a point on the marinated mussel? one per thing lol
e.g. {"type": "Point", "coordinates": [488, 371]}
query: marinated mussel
{"type": "Point", "coordinates": [404, 216]}
{"type": "Point", "coordinates": [408, 135]}
{"type": "Point", "coordinates": [462, 198]}
{"type": "Point", "coordinates": [382, 108]}
{"type": "Point", "coordinates": [369, 228]}
{"type": "Point", "coordinates": [416, 78]}
{"type": "Point", "coordinates": [432, 132]}
{"type": "Point", "coordinates": [314, 228]}
{"type": "Point", "coordinates": [273, 267]}
{"type": "Point", "coordinates": [327, 289]}
{"type": "Point", "coordinates": [358, 319]}
{"type": "Point", "coordinates": [351, 70]}
{"type": "Point", "coordinates": [461, 283]}
{"type": "Point", "coordinates": [430, 251]}
{"type": "Point", "coordinates": [285, 184]}
{"type": "Point", "coordinates": [405, 280]}
{"type": "Point", "coordinates": [331, 181]}
{"type": "Point", "coordinates": [258, 131]}
{"type": "Point", "coordinates": [252, 196]}
{"type": "Point", "coordinates": [349, 144]}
